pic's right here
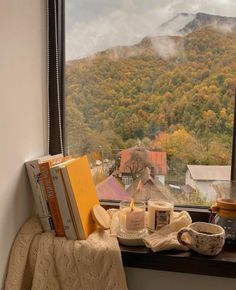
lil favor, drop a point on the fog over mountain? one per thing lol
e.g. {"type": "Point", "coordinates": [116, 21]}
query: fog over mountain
{"type": "Point", "coordinates": [96, 25]}
{"type": "Point", "coordinates": [163, 84]}
{"type": "Point", "coordinates": [162, 41]}
{"type": "Point", "coordinates": [184, 23]}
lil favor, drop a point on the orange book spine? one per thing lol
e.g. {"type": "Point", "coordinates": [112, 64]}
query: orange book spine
{"type": "Point", "coordinates": [51, 198]}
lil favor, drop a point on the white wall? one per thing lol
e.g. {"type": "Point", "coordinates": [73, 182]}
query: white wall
{"type": "Point", "coordinates": [142, 279]}
{"type": "Point", "coordinates": [22, 111]}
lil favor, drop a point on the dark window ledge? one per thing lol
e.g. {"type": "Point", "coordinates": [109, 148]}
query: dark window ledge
{"type": "Point", "coordinates": [222, 265]}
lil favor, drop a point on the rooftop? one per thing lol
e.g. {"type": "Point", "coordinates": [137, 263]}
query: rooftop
{"type": "Point", "coordinates": [157, 158]}
{"type": "Point", "coordinates": [145, 187]}
{"type": "Point", "coordinates": [111, 189]}
{"type": "Point", "coordinates": [210, 172]}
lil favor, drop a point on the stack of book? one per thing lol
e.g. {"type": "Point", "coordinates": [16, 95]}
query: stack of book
{"type": "Point", "coordinates": [64, 194]}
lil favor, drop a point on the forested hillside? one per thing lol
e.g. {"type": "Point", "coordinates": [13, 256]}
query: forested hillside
{"type": "Point", "coordinates": [174, 93]}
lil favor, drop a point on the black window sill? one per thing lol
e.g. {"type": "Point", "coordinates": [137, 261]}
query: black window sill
{"type": "Point", "coordinates": [222, 265]}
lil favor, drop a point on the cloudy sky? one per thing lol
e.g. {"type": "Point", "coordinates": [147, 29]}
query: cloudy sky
{"type": "Point", "coordinates": [95, 25]}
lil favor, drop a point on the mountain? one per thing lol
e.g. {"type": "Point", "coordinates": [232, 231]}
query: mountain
{"type": "Point", "coordinates": [162, 84]}
{"type": "Point", "coordinates": [178, 22]}
{"type": "Point", "coordinates": [219, 22]}
{"type": "Point", "coordinates": [184, 23]}
{"type": "Point", "coordinates": [170, 35]}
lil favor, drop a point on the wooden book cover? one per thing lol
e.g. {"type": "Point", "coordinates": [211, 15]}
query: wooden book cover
{"type": "Point", "coordinates": [47, 182]}
{"type": "Point", "coordinates": [82, 194]}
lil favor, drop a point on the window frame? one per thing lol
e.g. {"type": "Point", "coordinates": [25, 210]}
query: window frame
{"type": "Point", "coordinates": [141, 257]}
{"type": "Point", "coordinates": [55, 76]}
{"type": "Point", "coordinates": [198, 212]}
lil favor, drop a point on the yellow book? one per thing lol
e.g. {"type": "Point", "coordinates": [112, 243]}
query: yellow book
{"type": "Point", "coordinates": [82, 194]}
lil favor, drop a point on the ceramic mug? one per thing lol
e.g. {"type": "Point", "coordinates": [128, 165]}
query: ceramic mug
{"type": "Point", "coordinates": [204, 238]}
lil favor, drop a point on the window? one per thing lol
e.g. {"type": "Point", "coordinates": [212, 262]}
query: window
{"type": "Point", "coordinates": [149, 95]}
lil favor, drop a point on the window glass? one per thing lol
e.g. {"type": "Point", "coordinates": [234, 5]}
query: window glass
{"type": "Point", "coordinates": [149, 95]}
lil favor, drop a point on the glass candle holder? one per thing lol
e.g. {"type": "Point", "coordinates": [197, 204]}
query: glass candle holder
{"type": "Point", "coordinates": [160, 214]}
{"type": "Point", "coordinates": [132, 218]}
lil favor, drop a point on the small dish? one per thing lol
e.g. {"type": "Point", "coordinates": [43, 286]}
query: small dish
{"type": "Point", "coordinates": [131, 239]}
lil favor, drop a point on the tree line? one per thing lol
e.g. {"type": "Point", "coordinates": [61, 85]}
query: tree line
{"type": "Point", "coordinates": [182, 105]}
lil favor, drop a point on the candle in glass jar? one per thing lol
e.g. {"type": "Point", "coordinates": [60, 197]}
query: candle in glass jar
{"type": "Point", "coordinates": [160, 213]}
{"type": "Point", "coordinates": [132, 217]}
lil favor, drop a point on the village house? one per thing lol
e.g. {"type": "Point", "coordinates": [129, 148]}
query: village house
{"type": "Point", "coordinates": [155, 159]}
{"type": "Point", "coordinates": [203, 179]}
{"type": "Point", "coordinates": [145, 188]}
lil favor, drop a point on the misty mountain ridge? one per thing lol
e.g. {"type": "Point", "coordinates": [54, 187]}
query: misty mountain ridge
{"type": "Point", "coordinates": [226, 24]}
{"type": "Point", "coordinates": [169, 39]}
{"type": "Point", "coordinates": [190, 22]}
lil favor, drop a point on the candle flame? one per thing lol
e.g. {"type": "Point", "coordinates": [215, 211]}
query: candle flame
{"type": "Point", "coordinates": [132, 204]}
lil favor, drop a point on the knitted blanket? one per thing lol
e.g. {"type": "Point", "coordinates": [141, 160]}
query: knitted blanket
{"type": "Point", "coordinates": [41, 261]}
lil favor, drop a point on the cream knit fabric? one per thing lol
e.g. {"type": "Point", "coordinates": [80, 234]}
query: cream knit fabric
{"type": "Point", "coordinates": [166, 237]}
{"type": "Point", "coordinates": [40, 261]}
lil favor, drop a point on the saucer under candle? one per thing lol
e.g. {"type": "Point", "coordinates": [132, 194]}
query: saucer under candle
{"type": "Point", "coordinates": [132, 218]}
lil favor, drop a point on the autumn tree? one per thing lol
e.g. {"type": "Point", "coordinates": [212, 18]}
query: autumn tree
{"type": "Point", "coordinates": [137, 162]}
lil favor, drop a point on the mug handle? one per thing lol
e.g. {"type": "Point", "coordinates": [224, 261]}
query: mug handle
{"type": "Point", "coordinates": [179, 237]}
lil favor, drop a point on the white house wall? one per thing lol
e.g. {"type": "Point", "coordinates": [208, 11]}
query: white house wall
{"type": "Point", "coordinates": [161, 178]}
{"type": "Point", "coordinates": [189, 180]}
{"type": "Point", "coordinates": [204, 187]}
{"type": "Point", "coordinates": [206, 190]}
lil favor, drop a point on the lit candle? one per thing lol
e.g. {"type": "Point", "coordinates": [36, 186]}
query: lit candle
{"type": "Point", "coordinates": [132, 216]}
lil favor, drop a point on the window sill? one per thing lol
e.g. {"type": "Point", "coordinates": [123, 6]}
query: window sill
{"type": "Point", "coordinates": [222, 265]}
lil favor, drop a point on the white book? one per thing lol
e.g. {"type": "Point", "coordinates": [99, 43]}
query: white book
{"type": "Point", "coordinates": [39, 194]}
{"type": "Point", "coordinates": [37, 188]}
{"type": "Point", "coordinates": [61, 195]}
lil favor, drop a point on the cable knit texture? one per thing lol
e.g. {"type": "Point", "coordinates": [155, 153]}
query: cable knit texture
{"type": "Point", "coordinates": [166, 237]}
{"type": "Point", "coordinates": [41, 261]}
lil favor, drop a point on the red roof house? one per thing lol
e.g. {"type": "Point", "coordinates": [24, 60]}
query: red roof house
{"type": "Point", "coordinates": [157, 158]}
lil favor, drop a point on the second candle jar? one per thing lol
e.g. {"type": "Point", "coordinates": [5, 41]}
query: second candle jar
{"type": "Point", "coordinates": [160, 213]}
